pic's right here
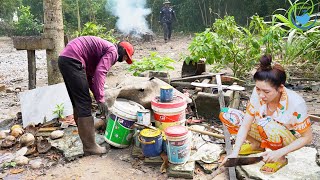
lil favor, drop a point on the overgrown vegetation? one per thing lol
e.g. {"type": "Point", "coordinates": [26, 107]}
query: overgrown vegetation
{"type": "Point", "coordinates": [226, 45]}
{"type": "Point", "coordinates": [154, 62]}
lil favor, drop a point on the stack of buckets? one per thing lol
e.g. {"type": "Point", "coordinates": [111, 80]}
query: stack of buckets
{"type": "Point", "coordinates": [169, 116]}
{"type": "Point", "coordinates": [169, 110]}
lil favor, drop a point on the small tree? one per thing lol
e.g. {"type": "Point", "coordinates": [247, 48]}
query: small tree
{"type": "Point", "coordinates": [27, 25]}
{"type": "Point", "coordinates": [226, 45]}
{"type": "Point", "coordinates": [92, 29]}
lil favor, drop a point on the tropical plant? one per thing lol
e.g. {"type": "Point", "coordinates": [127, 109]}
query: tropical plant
{"type": "Point", "coordinates": [154, 62]}
{"type": "Point", "coordinates": [27, 25]}
{"type": "Point", "coordinates": [59, 110]}
{"type": "Point", "coordinates": [92, 29]}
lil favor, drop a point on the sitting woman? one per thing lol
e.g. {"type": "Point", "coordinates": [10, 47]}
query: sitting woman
{"type": "Point", "coordinates": [276, 118]}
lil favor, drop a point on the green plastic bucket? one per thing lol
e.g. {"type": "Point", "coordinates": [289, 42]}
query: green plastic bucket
{"type": "Point", "coordinates": [119, 130]}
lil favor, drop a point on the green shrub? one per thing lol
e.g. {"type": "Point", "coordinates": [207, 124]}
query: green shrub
{"type": "Point", "coordinates": [92, 29]}
{"type": "Point", "coordinates": [154, 62]}
{"type": "Point", "coordinates": [27, 25]}
{"type": "Point", "coordinates": [226, 45]}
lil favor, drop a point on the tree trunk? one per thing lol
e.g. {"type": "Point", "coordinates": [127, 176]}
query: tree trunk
{"type": "Point", "coordinates": [53, 29]}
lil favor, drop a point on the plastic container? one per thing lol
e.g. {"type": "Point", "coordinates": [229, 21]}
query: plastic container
{"type": "Point", "coordinates": [178, 144]}
{"type": "Point", "coordinates": [119, 129]}
{"type": "Point", "coordinates": [151, 142]}
{"type": "Point", "coordinates": [169, 114]}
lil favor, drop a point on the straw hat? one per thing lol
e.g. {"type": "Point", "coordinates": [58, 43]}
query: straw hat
{"type": "Point", "coordinates": [166, 2]}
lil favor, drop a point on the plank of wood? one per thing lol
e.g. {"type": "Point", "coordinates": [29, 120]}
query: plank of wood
{"type": "Point", "coordinates": [48, 129]}
{"type": "Point", "coordinates": [220, 136]}
{"type": "Point", "coordinates": [232, 170]}
{"type": "Point", "coordinates": [195, 77]}
{"type": "Point", "coordinates": [314, 118]}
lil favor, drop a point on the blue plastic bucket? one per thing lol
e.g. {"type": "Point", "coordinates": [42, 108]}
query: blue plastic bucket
{"type": "Point", "coordinates": [178, 144]}
{"type": "Point", "coordinates": [151, 142]}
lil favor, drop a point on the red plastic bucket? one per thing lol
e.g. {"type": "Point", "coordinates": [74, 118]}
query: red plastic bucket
{"type": "Point", "coordinates": [170, 113]}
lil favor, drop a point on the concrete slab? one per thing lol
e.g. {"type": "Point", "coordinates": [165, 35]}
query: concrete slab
{"type": "Point", "coordinates": [37, 105]}
{"type": "Point", "coordinates": [302, 165]}
{"type": "Point", "coordinates": [182, 171]}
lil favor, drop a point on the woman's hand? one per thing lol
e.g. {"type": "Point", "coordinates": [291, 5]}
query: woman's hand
{"type": "Point", "coordinates": [272, 156]}
{"type": "Point", "coordinates": [232, 155]}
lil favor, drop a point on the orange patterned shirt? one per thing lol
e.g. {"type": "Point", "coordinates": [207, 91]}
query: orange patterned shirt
{"type": "Point", "coordinates": [291, 111]}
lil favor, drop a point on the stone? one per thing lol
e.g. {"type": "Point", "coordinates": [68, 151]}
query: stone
{"type": "Point", "coordinates": [27, 139]}
{"type": "Point", "coordinates": [153, 160]}
{"type": "Point", "coordinates": [141, 90]}
{"type": "Point", "coordinates": [302, 165]}
{"type": "Point", "coordinates": [182, 171]}
{"type": "Point", "coordinates": [21, 152]}
{"type": "Point", "coordinates": [56, 134]}
{"type": "Point", "coordinates": [136, 152]}
{"type": "Point", "coordinates": [208, 104]}
{"type": "Point", "coordinates": [3, 134]}
{"type": "Point", "coordinates": [9, 90]}
{"type": "Point", "coordinates": [36, 163]}
{"type": "Point", "coordinates": [21, 160]}
{"type": "Point", "coordinates": [37, 105]}
{"type": "Point", "coordinates": [2, 87]}
{"type": "Point", "coordinates": [71, 145]}
{"type": "Point", "coordinates": [208, 168]}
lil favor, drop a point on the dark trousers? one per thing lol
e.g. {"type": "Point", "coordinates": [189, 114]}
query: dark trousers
{"type": "Point", "coordinates": [167, 29]}
{"type": "Point", "coordinates": [77, 85]}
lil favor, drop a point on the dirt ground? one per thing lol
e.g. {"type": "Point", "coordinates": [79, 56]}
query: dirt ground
{"type": "Point", "coordinates": [113, 165]}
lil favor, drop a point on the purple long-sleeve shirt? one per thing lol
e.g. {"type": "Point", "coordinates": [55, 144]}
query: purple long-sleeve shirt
{"type": "Point", "coordinates": [97, 56]}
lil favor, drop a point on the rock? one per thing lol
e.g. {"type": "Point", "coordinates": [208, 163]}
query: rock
{"type": "Point", "coordinates": [99, 124]}
{"type": "Point", "coordinates": [3, 134]}
{"type": "Point", "coordinates": [27, 139]}
{"type": "Point", "coordinates": [182, 171]}
{"type": "Point", "coordinates": [15, 126]}
{"type": "Point", "coordinates": [9, 90]}
{"type": "Point", "coordinates": [56, 134]}
{"type": "Point", "coordinates": [21, 152]}
{"type": "Point", "coordinates": [301, 165]}
{"type": "Point", "coordinates": [16, 132]}
{"type": "Point", "coordinates": [2, 87]}
{"type": "Point", "coordinates": [8, 142]}
{"type": "Point", "coordinates": [10, 138]}
{"type": "Point", "coordinates": [35, 164]}
{"type": "Point", "coordinates": [21, 160]}
{"type": "Point", "coordinates": [43, 145]}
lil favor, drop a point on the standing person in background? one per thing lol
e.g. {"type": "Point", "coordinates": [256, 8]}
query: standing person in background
{"type": "Point", "coordinates": [84, 64]}
{"type": "Point", "coordinates": [276, 118]}
{"type": "Point", "coordinates": [167, 16]}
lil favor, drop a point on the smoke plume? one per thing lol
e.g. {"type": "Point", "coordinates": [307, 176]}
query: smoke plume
{"type": "Point", "coordinates": [131, 15]}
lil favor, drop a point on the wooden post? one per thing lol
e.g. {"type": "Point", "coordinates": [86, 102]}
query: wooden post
{"type": "Point", "coordinates": [53, 29]}
{"type": "Point", "coordinates": [32, 69]}
{"type": "Point", "coordinates": [232, 170]}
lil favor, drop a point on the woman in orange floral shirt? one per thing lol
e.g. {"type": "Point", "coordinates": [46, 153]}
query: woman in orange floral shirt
{"type": "Point", "coordinates": [276, 118]}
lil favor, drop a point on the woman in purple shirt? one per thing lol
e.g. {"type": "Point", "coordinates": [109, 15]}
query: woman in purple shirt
{"type": "Point", "coordinates": [84, 63]}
